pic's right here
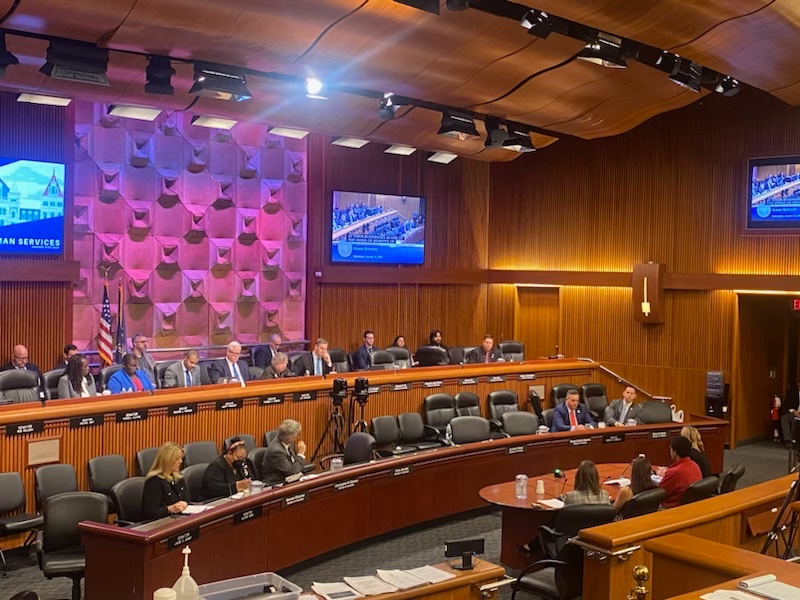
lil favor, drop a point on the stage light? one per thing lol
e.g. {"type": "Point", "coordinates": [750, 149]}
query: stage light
{"type": "Point", "coordinates": [140, 113]}
{"type": "Point", "coordinates": [75, 61]}
{"type": "Point", "coordinates": [431, 6]}
{"type": "Point", "coordinates": [315, 89]}
{"type": "Point", "coordinates": [443, 158]}
{"type": "Point", "coordinates": [213, 122]}
{"type": "Point", "coordinates": [458, 125]}
{"type": "Point", "coordinates": [6, 58]}
{"type": "Point", "coordinates": [605, 50]}
{"type": "Point", "coordinates": [349, 142]}
{"type": "Point", "coordinates": [388, 107]}
{"type": "Point", "coordinates": [727, 86]}
{"type": "Point", "coordinates": [158, 75]}
{"type": "Point", "coordinates": [400, 150]}
{"type": "Point", "coordinates": [519, 140]}
{"type": "Point", "coordinates": [537, 23]}
{"type": "Point", "coordinates": [219, 83]}
{"type": "Point", "coordinates": [687, 74]}
{"type": "Point", "coordinates": [457, 4]}
{"type": "Point", "coordinates": [288, 132]}
{"type": "Point", "coordinates": [40, 99]}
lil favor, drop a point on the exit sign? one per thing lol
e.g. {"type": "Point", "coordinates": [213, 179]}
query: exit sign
{"type": "Point", "coordinates": [796, 304]}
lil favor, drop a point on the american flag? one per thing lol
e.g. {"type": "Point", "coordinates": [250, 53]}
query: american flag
{"type": "Point", "coordinates": [104, 342]}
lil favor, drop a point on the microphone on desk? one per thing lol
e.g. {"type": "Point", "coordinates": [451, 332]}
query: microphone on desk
{"type": "Point", "coordinates": [563, 485]}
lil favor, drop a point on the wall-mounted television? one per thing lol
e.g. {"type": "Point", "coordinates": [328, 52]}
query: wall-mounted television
{"type": "Point", "coordinates": [774, 193]}
{"type": "Point", "coordinates": [31, 207]}
{"type": "Point", "coordinates": [378, 229]}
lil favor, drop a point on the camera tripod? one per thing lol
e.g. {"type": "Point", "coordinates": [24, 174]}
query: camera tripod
{"type": "Point", "coordinates": [783, 529]}
{"type": "Point", "coordinates": [335, 426]}
{"type": "Point", "coordinates": [361, 424]}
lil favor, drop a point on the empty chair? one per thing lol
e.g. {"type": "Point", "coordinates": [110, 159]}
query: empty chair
{"type": "Point", "coordinates": [105, 472]}
{"type": "Point", "coordinates": [547, 417]}
{"type": "Point", "coordinates": [512, 350]}
{"type": "Point", "coordinates": [413, 432]}
{"type": "Point", "coordinates": [340, 360]}
{"type": "Point", "coordinates": [205, 379]}
{"type": "Point", "coordinates": [18, 386]}
{"type": "Point", "coordinates": [558, 393]}
{"type": "Point", "coordinates": [199, 452]}
{"type": "Point", "coordinates": [431, 356]}
{"type": "Point", "coordinates": [269, 436]}
{"type": "Point", "coordinates": [700, 490]}
{"type": "Point", "coordinates": [12, 499]}
{"type": "Point", "coordinates": [61, 553]}
{"type": "Point", "coordinates": [51, 382]}
{"type": "Point", "coordinates": [569, 521]}
{"type": "Point", "coordinates": [730, 479]}
{"type": "Point", "coordinates": [386, 432]}
{"type": "Point", "coordinates": [595, 399]}
{"type": "Point", "coordinates": [127, 498]}
{"type": "Point", "coordinates": [644, 503]}
{"type": "Point", "coordinates": [469, 429]}
{"type": "Point", "coordinates": [456, 354]}
{"type": "Point", "coordinates": [249, 440]}
{"type": "Point", "coordinates": [402, 357]}
{"type": "Point", "coordinates": [535, 403]}
{"type": "Point", "coordinates": [381, 359]}
{"type": "Point", "coordinates": [554, 579]}
{"type": "Point", "coordinates": [161, 367]}
{"type": "Point", "coordinates": [359, 448]}
{"type": "Point", "coordinates": [256, 373]}
{"type": "Point", "coordinates": [104, 375]}
{"type": "Point", "coordinates": [654, 411]}
{"type": "Point", "coordinates": [500, 402]}
{"type": "Point", "coordinates": [52, 480]}
{"type": "Point", "coordinates": [256, 456]}
{"type": "Point", "coordinates": [468, 404]}
{"type": "Point", "coordinates": [293, 358]}
{"type": "Point", "coordinates": [193, 477]}
{"type": "Point", "coordinates": [519, 423]}
{"type": "Point", "coordinates": [144, 459]}
{"type": "Point", "coordinates": [439, 411]}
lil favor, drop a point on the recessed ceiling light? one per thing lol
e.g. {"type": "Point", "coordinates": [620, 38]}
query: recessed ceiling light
{"type": "Point", "coordinates": [315, 89]}
{"type": "Point", "coordinates": [295, 134]}
{"type": "Point", "coordinates": [349, 142]}
{"type": "Point", "coordinates": [127, 111]}
{"type": "Point", "coordinates": [401, 150]}
{"type": "Point", "coordinates": [40, 99]}
{"type": "Point", "coordinates": [213, 122]}
{"type": "Point", "coordinates": [443, 158]}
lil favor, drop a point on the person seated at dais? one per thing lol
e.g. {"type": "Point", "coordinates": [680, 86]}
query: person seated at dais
{"type": "Point", "coordinates": [399, 341]}
{"type": "Point", "coordinates": [165, 492]}
{"type": "Point", "coordinates": [317, 362]}
{"type": "Point", "coordinates": [587, 486]}
{"type": "Point", "coordinates": [130, 378]}
{"type": "Point", "coordinates": [571, 414]}
{"type": "Point", "coordinates": [229, 473]}
{"type": "Point", "coordinates": [279, 369]}
{"type": "Point", "coordinates": [485, 353]}
{"type": "Point", "coordinates": [77, 382]}
{"type": "Point", "coordinates": [361, 356]}
{"type": "Point", "coordinates": [641, 480]}
{"type": "Point", "coordinates": [281, 460]}
{"type": "Point", "coordinates": [622, 410]}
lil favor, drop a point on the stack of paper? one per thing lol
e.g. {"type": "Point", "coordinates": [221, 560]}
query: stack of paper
{"type": "Point", "coordinates": [768, 586]}
{"type": "Point", "coordinates": [621, 482]}
{"type": "Point", "coordinates": [369, 585]}
{"type": "Point", "coordinates": [193, 509]}
{"type": "Point", "coordinates": [431, 574]}
{"type": "Point", "coordinates": [727, 595]}
{"type": "Point", "coordinates": [402, 580]}
{"type": "Point", "coordinates": [335, 591]}
{"type": "Point", "coordinates": [554, 503]}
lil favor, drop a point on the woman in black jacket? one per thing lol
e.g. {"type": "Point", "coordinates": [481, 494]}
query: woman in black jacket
{"type": "Point", "coordinates": [165, 491]}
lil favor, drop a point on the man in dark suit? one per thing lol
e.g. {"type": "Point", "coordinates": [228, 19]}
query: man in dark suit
{"type": "Point", "coordinates": [485, 353]}
{"type": "Point", "coordinates": [361, 356]}
{"type": "Point", "coordinates": [70, 350]}
{"type": "Point", "coordinates": [571, 415]}
{"type": "Point", "coordinates": [789, 407]}
{"type": "Point", "coordinates": [317, 362]}
{"type": "Point", "coordinates": [624, 409]}
{"type": "Point", "coordinates": [281, 460]}
{"type": "Point", "coordinates": [184, 373]}
{"type": "Point", "coordinates": [263, 355]}
{"type": "Point", "coordinates": [19, 361]}
{"type": "Point", "coordinates": [230, 368]}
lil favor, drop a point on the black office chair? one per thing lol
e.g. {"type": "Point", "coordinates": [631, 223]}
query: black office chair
{"type": "Point", "coordinates": [52, 480]}
{"type": "Point", "coordinates": [558, 393]}
{"type": "Point", "coordinates": [569, 521]}
{"type": "Point", "coordinates": [700, 490]}
{"type": "Point", "coordinates": [205, 379]}
{"type": "Point", "coordinates": [249, 441]}
{"type": "Point", "coordinates": [161, 368]}
{"type": "Point", "coordinates": [127, 497]}
{"type": "Point", "coordinates": [386, 432]}
{"type": "Point", "coordinates": [340, 360]}
{"type": "Point", "coordinates": [256, 373]}
{"type": "Point", "coordinates": [293, 358]}
{"type": "Point", "coordinates": [193, 477]}
{"type": "Point", "coordinates": [18, 386]}
{"type": "Point", "coordinates": [402, 357]}
{"type": "Point", "coordinates": [644, 503]}
{"type": "Point", "coordinates": [554, 579]}
{"type": "Point", "coordinates": [730, 479]}
{"type": "Point", "coordinates": [439, 411]}
{"type": "Point", "coordinates": [595, 399]}
{"type": "Point", "coordinates": [145, 459]}
{"type": "Point", "coordinates": [431, 356]}
{"type": "Point", "coordinates": [26, 595]}
{"type": "Point", "coordinates": [51, 382]}
{"type": "Point", "coordinates": [199, 453]}
{"type": "Point", "coordinates": [516, 423]}
{"type": "Point", "coordinates": [469, 429]}
{"type": "Point", "coordinates": [468, 404]}
{"type": "Point", "coordinates": [105, 374]}
{"type": "Point", "coordinates": [359, 448]}
{"type": "Point", "coordinates": [269, 436]}
{"type": "Point", "coordinates": [60, 552]}
{"type": "Point", "coordinates": [547, 417]}
{"type": "Point", "coordinates": [12, 499]}
{"type": "Point", "coordinates": [256, 456]}
{"type": "Point", "coordinates": [456, 354]}
{"type": "Point", "coordinates": [655, 411]}
{"type": "Point", "coordinates": [105, 472]}
{"type": "Point", "coordinates": [512, 351]}
{"type": "Point", "coordinates": [535, 403]}
{"type": "Point", "coordinates": [500, 402]}
{"type": "Point", "coordinates": [413, 432]}
{"type": "Point", "coordinates": [381, 359]}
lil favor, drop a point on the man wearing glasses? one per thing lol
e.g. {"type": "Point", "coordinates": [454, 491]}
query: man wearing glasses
{"type": "Point", "coordinates": [19, 360]}
{"type": "Point", "coordinates": [231, 368]}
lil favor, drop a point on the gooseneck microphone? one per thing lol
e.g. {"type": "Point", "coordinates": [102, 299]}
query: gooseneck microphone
{"type": "Point", "coordinates": [563, 485]}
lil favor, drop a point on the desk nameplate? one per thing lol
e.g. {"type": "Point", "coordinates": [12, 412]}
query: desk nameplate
{"type": "Point", "coordinates": [272, 399]}
{"type": "Point", "coordinates": [176, 541]}
{"type": "Point", "coordinates": [183, 409]}
{"type": "Point", "coordinates": [245, 515]}
{"type": "Point", "coordinates": [303, 396]}
{"type": "Point", "coordinates": [234, 404]}
{"type": "Point", "coordinates": [25, 428]}
{"type": "Point", "coordinates": [86, 421]}
{"type": "Point", "coordinates": [128, 416]}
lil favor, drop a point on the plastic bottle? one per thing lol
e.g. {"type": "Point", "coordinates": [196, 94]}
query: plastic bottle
{"type": "Point", "coordinates": [448, 433]}
{"type": "Point", "coordinates": [165, 594]}
{"type": "Point", "coordinates": [521, 486]}
{"type": "Point", "coordinates": [186, 588]}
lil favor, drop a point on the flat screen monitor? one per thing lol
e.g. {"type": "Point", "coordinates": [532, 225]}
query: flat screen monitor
{"type": "Point", "coordinates": [774, 193]}
{"type": "Point", "coordinates": [378, 229]}
{"type": "Point", "coordinates": [31, 207]}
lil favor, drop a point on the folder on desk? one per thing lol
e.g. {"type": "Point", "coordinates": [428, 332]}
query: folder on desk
{"type": "Point", "coordinates": [769, 587]}
{"type": "Point", "coordinates": [402, 580]}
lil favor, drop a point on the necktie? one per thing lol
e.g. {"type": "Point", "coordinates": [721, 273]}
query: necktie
{"type": "Point", "coordinates": [188, 378]}
{"type": "Point", "coordinates": [572, 419]}
{"type": "Point", "coordinates": [487, 357]}
{"type": "Point", "coordinates": [624, 412]}
{"type": "Point", "coordinates": [317, 366]}
{"type": "Point", "coordinates": [236, 374]}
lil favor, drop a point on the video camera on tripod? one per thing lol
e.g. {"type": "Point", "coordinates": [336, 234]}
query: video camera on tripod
{"type": "Point", "coordinates": [360, 395]}
{"type": "Point", "coordinates": [335, 424]}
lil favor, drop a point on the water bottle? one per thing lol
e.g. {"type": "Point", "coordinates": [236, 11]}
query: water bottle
{"type": "Point", "coordinates": [448, 433]}
{"type": "Point", "coordinates": [521, 486]}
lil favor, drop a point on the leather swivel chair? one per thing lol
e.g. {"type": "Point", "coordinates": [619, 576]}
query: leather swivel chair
{"type": "Point", "coordinates": [468, 429]}
{"type": "Point", "coordinates": [595, 398]}
{"type": "Point", "coordinates": [127, 497]}
{"type": "Point", "coordinates": [269, 436]}
{"type": "Point", "coordinates": [468, 404]}
{"type": "Point", "coordinates": [456, 355]}
{"type": "Point", "coordinates": [359, 448]}
{"type": "Point", "coordinates": [249, 441]}
{"type": "Point", "coordinates": [193, 477]}
{"type": "Point", "coordinates": [51, 382]}
{"type": "Point", "coordinates": [431, 356]}
{"type": "Point", "coordinates": [381, 359]}
{"type": "Point", "coordinates": [547, 417]}
{"type": "Point", "coordinates": [439, 411]}
{"type": "Point", "coordinates": [558, 393]}
{"type": "Point", "coordinates": [52, 480]}
{"type": "Point", "coordinates": [401, 356]}
{"type": "Point", "coordinates": [654, 411]}
{"type": "Point", "coordinates": [105, 374]}
{"type": "Point", "coordinates": [644, 503]}
{"type": "Point", "coordinates": [413, 432]}
{"type": "Point", "coordinates": [559, 578]}
{"type": "Point", "coordinates": [145, 459]}
{"type": "Point", "coordinates": [105, 472]}
{"type": "Point", "coordinates": [60, 551]}
{"type": "Point", "coordinates": [205, 379]}
{"type": "Point", "coordinates": [256, 456]}
{"type": "Point", "coordinates": [197, 453]}
{"type": "Point", "coordinates": [19, 386]}
{"type": "Point", "coordinates": [730, 479]}
{"type": "Point", "coordinates": [12, 499]}
{"type": "Point", "coordinates": [500, 402]}
{"type": "Point", "coordinates": [340, 360]}
{"type": "Point", "coordinates": [386, 432]}
{"type": "Point", "coordinates": [512, 351]}
{"type": "Point", "coordinates": [516, 423]}
{"type": "Point", "coordinates": [569, 521]}
{"type": "Point", "coordinates": [700, 490]}
{"type": "Point", "coordinates": [160, 369]}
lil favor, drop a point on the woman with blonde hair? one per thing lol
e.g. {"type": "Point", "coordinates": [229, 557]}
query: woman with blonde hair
{"type": "Point", "coordinates": [698, 454]}
{"type": "Point", "coordinates": [165, 490]}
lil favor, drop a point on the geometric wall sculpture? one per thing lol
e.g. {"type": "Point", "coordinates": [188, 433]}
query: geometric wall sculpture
{"type": "Point", "coordinates": [206, 229]}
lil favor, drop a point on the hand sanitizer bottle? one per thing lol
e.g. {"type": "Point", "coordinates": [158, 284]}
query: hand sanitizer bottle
{"type": "Point", "coordinates": [186, 588]}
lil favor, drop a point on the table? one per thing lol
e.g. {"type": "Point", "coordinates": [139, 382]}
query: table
{"type": "Point", "coordinates": [522, 518]}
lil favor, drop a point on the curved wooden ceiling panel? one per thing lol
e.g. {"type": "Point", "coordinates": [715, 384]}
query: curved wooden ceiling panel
{"type": "Point", "coordinates": [86, 20]}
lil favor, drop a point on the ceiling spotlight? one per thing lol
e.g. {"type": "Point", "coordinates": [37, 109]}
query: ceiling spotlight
{"type": "Point", "coordinates": [287, 132]}
{"type": "Point", "coordinates": [431, 6]}
{"type": "Point", "coordinates": [458, 125]}
{"type": "Point", "coordinates": [519, 140]}
{"type": "Point", "coordinates": [220, 83]}
{"type": "Point", "coordinates": [40, 99]}
{"type": "Point", "coordinates": [537, 23]}
{"type": "Point", "coordinates": [6, 58]}
{"type": "Point", "coordinates": [687, 74]}
{"type": "Point", "coordinates": [727, 86]}
{"type": "Point", "coordinates": [400, 150]}
{"type": "Point", "coordinates": [458, 4]}
{"type": "Point", "coordinates": [315, 89]}
{"type": "Point", "coordinates": [127, 111]}
{"type": "Point", "coordinates": [159, 74]}
{"type": "Point", "coordinates": [349, 142]}
{"type": "Point", "coordinates": [443, 158]}
{"type": "Point", "coordinates": [388, 107]}
{"type": "Point", "coordinates": [605, 50]}
{"type": "Point", "coordinates": [76, 61]}
{"type": "Point", "coordinates": [213, 122]}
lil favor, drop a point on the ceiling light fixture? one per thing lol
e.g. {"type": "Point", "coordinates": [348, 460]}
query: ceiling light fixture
{"type": "Point", "coordinates": [727, 86]}
{"type": "Point", "coordinates": [349, 142]}
{"type": "Point", "coordinates": [519, 140]}
{"type": "Point", "coordinates": [219, 83]}
{"type": "Point", "coordinates": [315, 89]}
{"type": "Point", "coordinates": [76, 61]}
{"type": "Point", "coordinates": [400, 150]}
{"type": "Point", "coordinates": [159, 74]}
{"type": "Point", "coordinates": [6, 58]}
{"type": "Point", "coordinates": [41, 99]}
{"type": "Point", "coordinates": [213, 122]}
{"type": "Point", "coordinates": [287, 132]}
{"type": "Point", "coordinates": [388, 107]}
{"type": "Point", "coordinates": [443, 158]}
{"type": "Point", "coordinates": [127, 111]}
{"type": "Point", "coordinates": [458, 125]}
{"type": "Point", "coordinates": [537, 23]}
{"type": "Point", "coordinates": [431, 6]}
{"type": "Point", "coordinates": [605, 50]}
{"type": "Point", "coordinates": [687, 74]}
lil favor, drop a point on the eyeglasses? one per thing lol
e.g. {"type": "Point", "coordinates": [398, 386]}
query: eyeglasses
{"type": "Point", "coordinates": [234, 352]}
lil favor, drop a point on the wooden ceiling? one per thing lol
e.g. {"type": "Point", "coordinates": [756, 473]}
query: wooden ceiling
{"type": "Point", "coordinates": [467, 59]}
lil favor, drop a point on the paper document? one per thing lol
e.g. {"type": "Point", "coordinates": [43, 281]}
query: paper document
{"type": "Point", "coordinates": [194, 509]}
{"type": "Point", "coordinates": [554, 503]}
{"type": "Point", "coordinates": [656, 479]}
{"type": "Point", "coordinates": [335, 591]}
{"type": "Point", "coordinates": [369, 585]}
{"type": "Point", "coordinates": [400, 579]}
{"type": "Point", "coordinates": [768, 586]}
{"type": "Point", "coordinates": [728, 595]}
{"type": "Point", "coordinates": [308, 597]}
{"type": "Point", "coordinates": [430, 574]}
{"type": "Point", "coordinates": [621, 482]}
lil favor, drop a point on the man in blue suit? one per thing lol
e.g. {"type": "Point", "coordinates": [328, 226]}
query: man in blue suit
{"type": "Point", "coordinates": [571, 415]}
{"type": "Point", "coordinates": [130, 378]}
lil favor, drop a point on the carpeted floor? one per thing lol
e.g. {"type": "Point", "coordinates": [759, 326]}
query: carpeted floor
{"type": "Point", "coordinates": [407, 549]}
